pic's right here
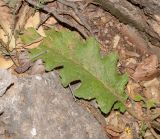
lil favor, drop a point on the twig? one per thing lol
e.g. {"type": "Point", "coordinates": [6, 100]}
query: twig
{"type": "Point", "coordinates": [8, 51]}
{"type": "Point", "coordinates": [155, 125]}
{"type": "Point", "coordinates": [74, 7]}
{"type": "Point", "coordinates": [155, 116]}
{"type": "Point", "coordinates": [81, 20]}
{"type": "Point", "coordinates": [53, 11]}
{"type": "Point", "coordinates": [43, 20]}
{"type": "Point", "coordinates": [154, 133]}
{"type": "Point", "coordinates": [23, 68]}
{"type": "Point", "coordinates": [64, 12]}
{"type": "Point", "coordinates": [35, 41]}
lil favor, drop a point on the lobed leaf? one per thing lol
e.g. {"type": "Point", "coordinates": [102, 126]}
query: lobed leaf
{"type": "Point", "coordinates": [81, 60]}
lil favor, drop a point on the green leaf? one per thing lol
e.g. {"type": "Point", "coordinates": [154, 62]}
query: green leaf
{"type": "Point", "coordinates": [29, 36]}
{"type": "Point", "coordinates": [143, 129]}
{"type": "Point", "coordinates": [151, 103]}
{"type": "Point", "coordinates": [120, 106]}
{"type": "Point", "coordinates": [81, 61]}
{"type": "Point", "coordinates": [138, 98]}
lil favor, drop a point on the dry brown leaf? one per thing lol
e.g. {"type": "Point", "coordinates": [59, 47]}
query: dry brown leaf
{"type": "Point", "coordinates": [132, 89]}
{"type": "Point", "coordinates": [147, 69]}
{"type": "Point", "coordinates": [152, 89]}
{"type": "Point", "coordinates": [6, 22]}
{"type": "Point", "coordinates": [25, 12]}
{"type": "Point", "coordinates": [130, 65]}
{"type": "Point", "coordinates": [33, 21]}
{"type": "Point", "coordinates": [137, 107]}
{"type": "Point", "coordinates": [33, 44]}
{"type": "Point", "coordinates": [5, 63]}
{"type": "Point", "coordinates": [115, 122]}
{"type": "Point", "coordinates": [112, 132]}
{"type": "Point", "coordinates": [50, 21]}
{"type": "Point", "coordinates": [148, 135]}
{"type": "Point", "coordinates": [3, 36]}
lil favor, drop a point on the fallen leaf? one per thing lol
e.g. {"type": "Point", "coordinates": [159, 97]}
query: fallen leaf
{"type": "Point", "coordinates": [31, 39]}
{"type": "Point", "coordinates": [138, 109]}
{"type": "Point", "coordinates": [115, 122]}
{"type": "Point", "coordinates": [5, 63]}
{"type": "Point", "coordinates": [130, 65]}
{"type": "Point", "coordinates": [148, 135]}
{"type": "Point", "coordinates": [33, 21]}
{"type": "Point", "coordinates": [133, 89]}
{"type": "Point", "coordinates": [50, 21]}
{"type": "Point", "coordinates": [6, 22]}
{"type": "Point", "coordinates": [152, 88]}
{"type": "Point", "coordinates": [23, 15]}
{"type": "Point", "coordinates": [98, 75]}
{"type": "Point", "coordinates": [112, 132]}
{"type": "Point", "coordinates": [147, 69]}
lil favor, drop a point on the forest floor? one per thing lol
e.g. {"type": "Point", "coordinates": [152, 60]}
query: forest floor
{"type": "Point", "coordinates": [137, 57]}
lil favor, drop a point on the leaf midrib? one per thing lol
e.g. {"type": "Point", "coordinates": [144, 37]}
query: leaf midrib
{"type": "Point", "coordinates": [106, 86]}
